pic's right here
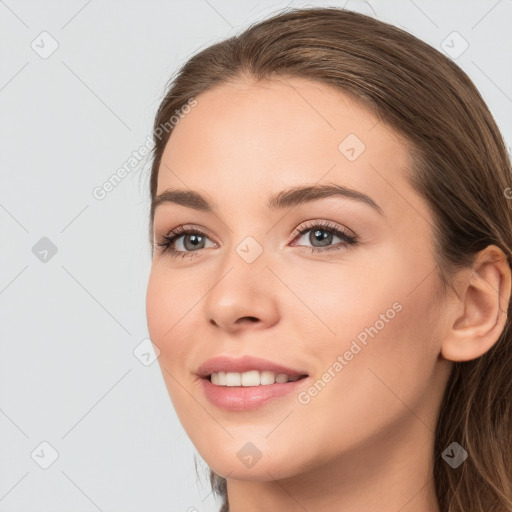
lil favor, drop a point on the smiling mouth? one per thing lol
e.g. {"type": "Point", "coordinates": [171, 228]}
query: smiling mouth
{"type": "Point", "coordinates": [251, 378]}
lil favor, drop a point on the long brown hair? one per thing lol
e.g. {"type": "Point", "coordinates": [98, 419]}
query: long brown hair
{"type": "Point", "coordinates": [460, 167]}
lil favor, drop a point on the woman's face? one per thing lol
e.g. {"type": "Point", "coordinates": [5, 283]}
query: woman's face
{"type": "Point", "coordinates": [359, 319]}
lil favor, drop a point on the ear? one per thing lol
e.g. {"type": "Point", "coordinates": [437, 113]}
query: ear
{"type": "Point", "coordinates": [479, 315]}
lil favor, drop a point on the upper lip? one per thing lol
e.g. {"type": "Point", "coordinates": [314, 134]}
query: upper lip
{"type": "Point", "coordinates": [243, 364]}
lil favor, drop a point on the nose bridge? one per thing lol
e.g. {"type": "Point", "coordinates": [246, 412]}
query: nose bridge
{"type": "Point", "coordinates": [243, 287]}
{"type": "Point", "coordinates": [245, 266]}
{"type": "Point", "coordinates": [248, 242]}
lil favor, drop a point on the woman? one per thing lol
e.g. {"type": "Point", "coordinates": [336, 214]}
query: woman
{"type": "Point", "coordinates": [330, 286]}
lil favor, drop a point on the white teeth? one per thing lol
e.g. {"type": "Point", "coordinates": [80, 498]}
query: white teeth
{"type": "Point", "coordinates": [267, 378]}
{"type": "Point", "coordinates": [233, 379]}
{"type": "Point", "coordinates": [250, 378]}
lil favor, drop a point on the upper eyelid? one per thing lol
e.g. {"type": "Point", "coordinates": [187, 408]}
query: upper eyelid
{"type": "Point", "coordinates": [305, 226]}
{"type": "Point", "coordinates": [325, 224]}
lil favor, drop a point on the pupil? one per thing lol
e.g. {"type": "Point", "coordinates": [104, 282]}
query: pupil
{"type": "Point", "coordinates": [194, 240]}
{"type": "Point", "coordinates": [326, 238]}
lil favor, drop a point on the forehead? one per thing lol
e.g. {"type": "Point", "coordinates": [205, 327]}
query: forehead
{"type": "Point", "coordinates": [248, 138]}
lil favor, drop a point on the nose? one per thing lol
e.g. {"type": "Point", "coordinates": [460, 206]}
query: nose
{"type": "Point", "coordinates": [244, 297]}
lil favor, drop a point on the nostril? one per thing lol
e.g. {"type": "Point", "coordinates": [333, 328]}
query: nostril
{"type": "Point", "coordinates": [250, 318]}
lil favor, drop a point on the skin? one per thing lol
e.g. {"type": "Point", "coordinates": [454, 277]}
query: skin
{"type": "Point", "coordinates": [365, 441]}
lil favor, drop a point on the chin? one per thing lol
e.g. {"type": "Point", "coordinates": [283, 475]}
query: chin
{"type": "Point", "coordinates": [239, 466]}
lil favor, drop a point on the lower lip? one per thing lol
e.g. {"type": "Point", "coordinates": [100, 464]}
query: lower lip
{"type": "Point", "coordinates": [246, 398]}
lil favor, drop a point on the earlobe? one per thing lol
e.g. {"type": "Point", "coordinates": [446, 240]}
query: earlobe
{"type": "Point", "coordinates": [483, 299]}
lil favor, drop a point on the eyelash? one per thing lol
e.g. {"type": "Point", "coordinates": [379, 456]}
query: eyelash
{"type": "Point", "coordinates": [175, 234]}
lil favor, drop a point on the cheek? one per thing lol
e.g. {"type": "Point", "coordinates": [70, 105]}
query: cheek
{"type": "Point", "coordinates": [167, 307]}
{"type": "Point", "coordinates": [334, 304]}
{"type": "Point", "coordinates": [385, 385]}
{"type": "Point", "coordinates": [381, 322]}
{"type": "Point", "coordinates": [167, 312]}
{"type": "Point", "coordinates": [389, 352]}
{"type": "Point", "coordinates": [156, 309]}
{"type": "Point", "coordinates": [384, 299]}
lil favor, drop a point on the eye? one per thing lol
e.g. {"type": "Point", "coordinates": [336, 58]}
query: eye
{"type": "Point", "coordinates": [322, 233]}
{"type": "Point", "coordinates": [193, 240]}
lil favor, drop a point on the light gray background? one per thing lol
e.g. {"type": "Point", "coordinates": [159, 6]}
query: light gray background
{"type": "Point", "coordinates": [69, 325]}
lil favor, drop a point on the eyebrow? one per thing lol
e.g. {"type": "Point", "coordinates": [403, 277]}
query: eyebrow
{"type": "Point", "coordinates": [286, 198]}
